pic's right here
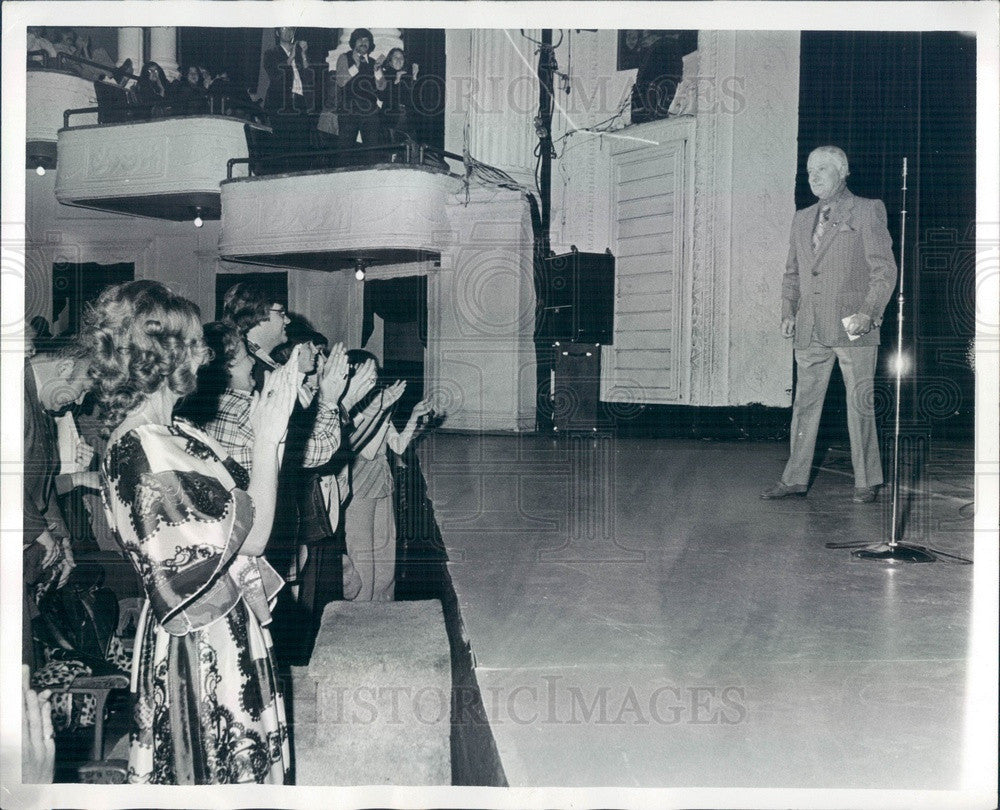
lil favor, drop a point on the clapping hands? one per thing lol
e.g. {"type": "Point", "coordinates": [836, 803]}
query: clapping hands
{"type": "Point", "coordinates": [271, 408]}
{"type": "Point", "coordinates": [421, 415]}
{"type": "Point", "coordinates": [392, 394]}
{"type": "Point", "coordinates": [361, 383]}
{"type": "Point", "coordinates": [333, 376]}
{"type": "Point", "coordinates": [422, 408]}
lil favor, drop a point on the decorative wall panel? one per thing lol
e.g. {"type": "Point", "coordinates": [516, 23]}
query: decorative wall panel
{"type": "Point", "coordinates": [169, 156]}
{"type": "Point", "coordinates": [651, 203]}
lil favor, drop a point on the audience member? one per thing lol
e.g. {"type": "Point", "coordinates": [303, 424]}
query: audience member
{"type": "Point", "coordinates": [173, 494]}
{"type": "Point", "coordinates": [53, 381]}
{"type": "Point", "coordinates": [65, 41]}
{"type": "Point", "coordinates": [38, 743]}
{"type": "Point", "coordinates": [38, 41]}
{"type": "Point", "coordinates": [370, 521]}
{"type": "Point", "coordinates": [260, 318]}
{"type": "Point", "coordinates": [286, 67]}
{"type": "Point", "coordinates": [397, 97]}
{"type": "Point", "coordinates": [298, 478]}
{"type": "Point", "coordinates": [152, 87]}
{"type": "Point", "coordinates": [289, 91]}
{"type": "Point", "coordinates": [315, 434]}
{"type": "Point", "coordinates": [359, 81]}
{"type": "Point", "coordinates": [658, 76]}
{"type": "Point", "coordinates": [37, 334]}
{"type": "Point", "coordinates": [189, 93]}
{"type": "Point", "coordinates": [99, 55]}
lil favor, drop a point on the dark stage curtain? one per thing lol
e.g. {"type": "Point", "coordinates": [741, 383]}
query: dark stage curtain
{"type": "Point", "coordinates": [235, 50]}
{"type": "Point", "coordinates": [398, 300]}
{"type": "Point", "coordinates": [882, 96]}
{"type": "Point", "coordinates": [425, 46]}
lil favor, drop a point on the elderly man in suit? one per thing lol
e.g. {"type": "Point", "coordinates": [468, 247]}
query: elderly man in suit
{"type": "Point", "coordinates": [54, 379]}
{"type": "Point", "coordinates": [838, 280]}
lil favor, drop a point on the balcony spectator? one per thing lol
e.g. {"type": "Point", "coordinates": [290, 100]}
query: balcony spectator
{"type": "Point", "coordinates": [152, 85]}
{"type": "Point", "coordinates": [38, 41]}
{"type": "Point", "coordinates": [228, 98]}
{"type": "Point", "coordinates": [658, 76]}
{"type": "Point", "coordinates": [188, 93]}
{"type": "Point", "coordinates": [359, 81]}
{"type": "Point", "coordinates": [65, 42]}
{"type": "Point", "coordinates": [285, 65]}
{"type": "Point", "coordinates": [99, 55]}
{"type": "Point", "coordinates": [287, 102]}
{"type": "Point", "coordinates": [397, 97]}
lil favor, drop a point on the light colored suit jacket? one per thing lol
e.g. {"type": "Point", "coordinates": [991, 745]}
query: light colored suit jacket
{"type": "Point", "coordinates": [853, 271]}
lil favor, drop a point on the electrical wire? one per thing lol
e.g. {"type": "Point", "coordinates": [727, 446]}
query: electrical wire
{"type": "Point", "coordinates": [541, 44]}
{"type": "Point", "coordinates": [483, 174]}
{"type": "Point", "coordinates": [607, 125]}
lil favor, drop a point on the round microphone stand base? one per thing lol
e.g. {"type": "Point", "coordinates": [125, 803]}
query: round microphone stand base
{"type": "Point", "coordinates": [900, 552]}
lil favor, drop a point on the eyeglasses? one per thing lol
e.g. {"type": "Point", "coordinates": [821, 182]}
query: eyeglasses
{"type": "Point", "coordinates": [279, 311]}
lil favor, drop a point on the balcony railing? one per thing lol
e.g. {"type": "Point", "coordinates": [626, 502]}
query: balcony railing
{"type": "Point", "coordinates": [266, 157]}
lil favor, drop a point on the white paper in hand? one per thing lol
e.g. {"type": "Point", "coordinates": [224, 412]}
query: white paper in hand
{"type": "Point", "coordinates": [68, 439]}
{"type": "Point", "coordinates": [846, 321]}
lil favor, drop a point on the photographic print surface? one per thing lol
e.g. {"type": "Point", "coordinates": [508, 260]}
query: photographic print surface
{"type": "Point", "coordinates": [646, 404]}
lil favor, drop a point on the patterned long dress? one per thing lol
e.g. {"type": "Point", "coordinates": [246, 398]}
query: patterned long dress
{"type": "Point", "coordinates": [209, 709]}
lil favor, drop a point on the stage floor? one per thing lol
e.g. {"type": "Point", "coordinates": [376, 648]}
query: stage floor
{"type": "Point", "coordinates": [638, 617]}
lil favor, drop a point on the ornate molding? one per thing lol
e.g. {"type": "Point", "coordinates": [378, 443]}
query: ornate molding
{"type": "Point", "coordinates": [744, 179]}
{"type": "Point", "coordinates": [503, 101]}
{"type": "Point", "coordinates": [767, 129]}
{"type": "Point", "coordinates": [710, 306]}
{"type": "Point", "coordinates": [174, 155]}
{"type": "Point", "coordinates": [51, 94]}
{"type": "Point", "coordinates": [318, 212]}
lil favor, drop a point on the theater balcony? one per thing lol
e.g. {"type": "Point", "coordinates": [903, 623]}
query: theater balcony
{"type": "Point", "coordinates": [385, 213]}
{"type": "Point", "coordinates": [52, 87]}
{"type": "Point", "coordinates": [414, 217]}
{"type": "Point", "coordinates": [161, 162]}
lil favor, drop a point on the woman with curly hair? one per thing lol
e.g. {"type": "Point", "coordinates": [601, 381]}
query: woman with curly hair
{"type": "Point", "coordinates": [208, 708]}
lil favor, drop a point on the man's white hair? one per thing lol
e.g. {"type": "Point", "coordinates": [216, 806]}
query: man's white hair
{"type": "Point", "coordinates": [838, 154]}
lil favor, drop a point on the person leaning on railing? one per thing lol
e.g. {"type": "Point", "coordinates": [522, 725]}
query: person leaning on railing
{"type": "Point", "coordinates": [40, 49]}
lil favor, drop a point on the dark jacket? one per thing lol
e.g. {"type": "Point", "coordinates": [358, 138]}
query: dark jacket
{"type": "Point", "coordinates": [41, 464]}
{"type": "Point", "coordinates": [397, 102]}
{"type": "Point", "coordinates": [359, 96]}
{"type": "Point", "coordinates": [281, 80]}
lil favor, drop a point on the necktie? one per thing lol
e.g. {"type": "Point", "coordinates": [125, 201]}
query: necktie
{"type": "Point", "coordinates": [821, 222]}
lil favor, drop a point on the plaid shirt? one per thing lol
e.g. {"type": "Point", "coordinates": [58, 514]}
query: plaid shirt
{"type": "Point", "coordinates": [231, 428]}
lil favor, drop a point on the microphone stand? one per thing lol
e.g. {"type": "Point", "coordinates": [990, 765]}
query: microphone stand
{"type": "Point", "coordinates": [895, 551]}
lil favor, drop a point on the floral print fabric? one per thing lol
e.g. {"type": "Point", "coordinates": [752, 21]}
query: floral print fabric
{"type": "Point", "coordinates": [209, 709]}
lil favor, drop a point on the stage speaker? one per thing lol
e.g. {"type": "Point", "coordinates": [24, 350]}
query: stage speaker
{"type": "Point", "coordinates": [577, 293]}
{"type": "Point", "coordinates": [575, 387]}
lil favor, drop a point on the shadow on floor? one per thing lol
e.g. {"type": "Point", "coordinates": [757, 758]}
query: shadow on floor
{"type": "Point", "coordinates": [422, 573]}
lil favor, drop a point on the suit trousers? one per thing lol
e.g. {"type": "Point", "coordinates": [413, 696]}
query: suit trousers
{"type": "Point", "coordinates": [857, 365]}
